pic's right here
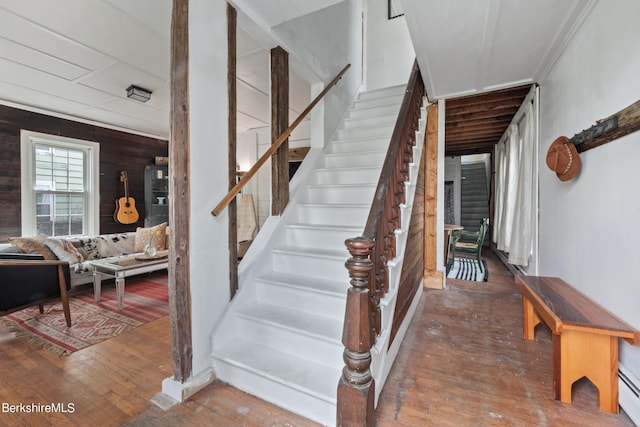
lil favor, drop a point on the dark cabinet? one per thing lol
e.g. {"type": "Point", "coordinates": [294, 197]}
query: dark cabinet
{"type": "Point", "coordinates": [156, 195]}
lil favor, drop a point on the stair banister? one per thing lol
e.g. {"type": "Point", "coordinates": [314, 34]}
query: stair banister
{"type": "Point", "coordinates": [368, 265]}
{"type": "Point", "coordinates": [274, 147]}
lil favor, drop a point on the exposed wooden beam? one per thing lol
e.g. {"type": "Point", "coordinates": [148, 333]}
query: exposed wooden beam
{"type": "Point", "coordinates": [628, 121]}
{"type": "Point", "coordinates": [504, 110]}
{"type": "Point", "coordinates": [432, 277]}
{"type": "Point", "coordinates": [490, 106]}
{"type": "Point", "coordinates": [495, 120]}
{"type": "Point", "coordinates": [232, 19]}
{"type": "Point", "coordinates": [179, 291]}
{"type": "Point", "coordinates": [279, 123]}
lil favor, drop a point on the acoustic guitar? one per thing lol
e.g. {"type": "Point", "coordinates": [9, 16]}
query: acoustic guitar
{"type": "Point", "coordinates": [126, 212]}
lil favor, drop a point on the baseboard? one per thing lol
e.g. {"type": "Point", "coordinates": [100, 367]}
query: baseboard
{"type": "Point", "coordinates": [181, 391]}
{"type": "Point", "coordinates": [434, 279]}
{"type": "Point", "coordinates": [629, 393]}
{"type": "Point", "coordinates": [514, 269]}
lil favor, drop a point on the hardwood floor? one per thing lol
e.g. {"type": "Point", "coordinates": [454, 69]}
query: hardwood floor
{"type": "Point", "coordinates": [463, 363]}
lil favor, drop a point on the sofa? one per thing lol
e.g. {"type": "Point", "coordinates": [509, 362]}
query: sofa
{"type": "Point", "coordinates": [80, 251]}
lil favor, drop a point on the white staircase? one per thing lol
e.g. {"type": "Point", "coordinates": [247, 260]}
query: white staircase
{"type": "Point", "coordinates": [281, 337]}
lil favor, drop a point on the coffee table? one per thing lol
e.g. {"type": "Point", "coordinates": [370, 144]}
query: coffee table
{"type": "Point", "coordinates": [125, 266]}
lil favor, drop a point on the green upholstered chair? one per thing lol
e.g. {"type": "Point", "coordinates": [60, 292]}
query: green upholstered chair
{"type": "Point", "coordinates": [470, 242]}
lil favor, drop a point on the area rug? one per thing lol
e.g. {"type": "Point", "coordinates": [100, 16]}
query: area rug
{"type": "Point", "coordinates": [467, 269]}
{"type": "Point", "coordinates": [145, 299]}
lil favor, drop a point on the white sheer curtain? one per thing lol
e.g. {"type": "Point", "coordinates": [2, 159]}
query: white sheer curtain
{"type": "Point", "coordinates": [513, 216]}
{"type": "Point", "coordinates": [500, 153]}
{"type": "Point", "coordinates": [521, 237]}
{"type": "Point", "coordinates": [509, 188]}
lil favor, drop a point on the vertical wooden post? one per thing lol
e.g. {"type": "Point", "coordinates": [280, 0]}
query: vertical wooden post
{"type": "Point", "coordinates": [432, 277]}
{"type": "Point", "coordinates": [356, 389]}
{"type": "Point", "coordinates": [233, 207]}
{"type": "Point", "coordinates": [279, 123]}
{"type": "Point", "coordinates": [179, 302]}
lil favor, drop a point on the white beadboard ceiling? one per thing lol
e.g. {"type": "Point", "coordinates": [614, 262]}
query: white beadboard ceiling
{"type": "Point", "coordinates": [75, 58]}
{"type": "Point", "coordinates": [472, 46]}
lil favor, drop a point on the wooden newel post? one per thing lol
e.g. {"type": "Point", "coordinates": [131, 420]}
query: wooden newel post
{"type": "Point", "coordinates": [356, 389]}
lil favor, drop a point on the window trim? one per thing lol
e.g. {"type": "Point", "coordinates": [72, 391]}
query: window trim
{"type": "Point", "coordinates": [28, 141]}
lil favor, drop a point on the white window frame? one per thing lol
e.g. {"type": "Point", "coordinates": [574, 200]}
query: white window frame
{"type": "Point", "coordinates": [28, 141]}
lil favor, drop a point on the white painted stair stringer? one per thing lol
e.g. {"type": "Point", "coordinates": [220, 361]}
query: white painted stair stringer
{"type": "Point", "coordinates": [280, 338]}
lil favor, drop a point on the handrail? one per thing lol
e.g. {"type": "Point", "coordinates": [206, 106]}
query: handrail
{"type": "Point", "coordinates": [377, 206]}
{"type": "Point", "coordinates": [368, 265]}
{"type": "Point", "coordinates": [278, 142]}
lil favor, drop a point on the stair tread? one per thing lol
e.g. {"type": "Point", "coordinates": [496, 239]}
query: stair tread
{"type": "Point", "coordinates": [325, 227]}
{"type": "Point", "coordinates": [385, 120]}
{"type": "Point", "coordinates": [348, 168]}
{"type": "Point", "coordinates": [313, 252]}
{"type": "Point", "coordinates": [354, 185]}
{"type": "Point", "coordinates": [321, 327]}
{"type": "Point", "coordinates": [313, 283]}
{"type": "Point", "coordinates": [361, 139]}
{"type": "Point", "coordinates": [355, 153]}
{"type": "Point", "coordinates": [312, 378]}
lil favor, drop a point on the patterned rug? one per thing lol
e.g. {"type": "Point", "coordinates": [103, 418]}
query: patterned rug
{"type": "Point", "coordinates": [467, 269]}
{"type": "Point", "coordinates": [145, 299]}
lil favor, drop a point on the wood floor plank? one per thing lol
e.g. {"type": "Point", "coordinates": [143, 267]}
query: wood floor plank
{"type": "Point", "coordinates": [463, 362]}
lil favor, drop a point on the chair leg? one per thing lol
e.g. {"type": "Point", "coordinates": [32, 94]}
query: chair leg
{"type": "Point", "coordinates": [479, 259]}
{"type": "Point", "coordinates": [64, 297]}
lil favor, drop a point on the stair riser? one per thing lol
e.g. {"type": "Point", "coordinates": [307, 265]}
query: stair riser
{"type": "Point", "coordinates": [355, 160]}
{"type": "Point", "coordinates": [362, 145]}
{"type": "Point", "coordinates": [371, 132]}
{"type": "Point", "coordinates": [341, 194]}
{"type": "Point", "coordinates": [370, 103]}
{"type": "Point", "coordinates": [322, 304]}
{"type": "Point", "coordinates": [291, 342]}
{"type": "Point", "coordinates": [333, 215]}
{"type": "Point", "coordinates": [365, 122]}
{"type": "Point", "coordinates": [328, 268]}
{"type": "Point", "coordinates": [277, 393]}
{"type": "Point", "coordinates": [383, 110]}
{"type": "Point", "coordinates": [381, 93]}
{"type": "Point", "coordinates": [320, 239]}
{"type": "Point", "coordinates": [347, 176]}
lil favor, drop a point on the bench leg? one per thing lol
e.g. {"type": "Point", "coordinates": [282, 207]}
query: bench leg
{"type": "Point", "coordinates": [530, 319]}
{"type": "Point", "coordinates": [581, 354]}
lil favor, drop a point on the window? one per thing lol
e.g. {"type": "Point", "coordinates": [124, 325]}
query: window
{"type": "Point", "coordinates": [60, 186]}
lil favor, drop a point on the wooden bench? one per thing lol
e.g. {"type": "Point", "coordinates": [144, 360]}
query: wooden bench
{"type": "Point", "coordinates": [584, 337]}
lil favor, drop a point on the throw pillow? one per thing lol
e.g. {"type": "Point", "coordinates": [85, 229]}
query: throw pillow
{"type": "Point", "coordinates": [64, 250]}
{"type": "Point", "coordinates": [156, 235]}
{"type": "Point", "coordinates": [33, 245]}
{"type": "Point", "coordinates": [114, 245]}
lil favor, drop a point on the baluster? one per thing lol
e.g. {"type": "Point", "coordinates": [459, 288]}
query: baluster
{"type": "Point", "coordinates": [356, 390]}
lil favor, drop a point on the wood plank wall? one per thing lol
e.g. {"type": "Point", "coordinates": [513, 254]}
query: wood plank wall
{"type": "Point", "coordinates": [118, 151]}
{"type": "Point", "coordinates": [413, 264]}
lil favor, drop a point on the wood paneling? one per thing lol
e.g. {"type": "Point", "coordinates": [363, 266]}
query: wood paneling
{"type": "Point", "coordinates": [118, 151]}
{"type": "Point", "coordinates": [475, 123]}
{"type": "Point", "coordinates": [413, 263]}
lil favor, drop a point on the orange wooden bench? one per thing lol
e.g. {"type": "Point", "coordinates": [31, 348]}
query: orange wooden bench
{"type": "Point", "coordinates": [584, 336]}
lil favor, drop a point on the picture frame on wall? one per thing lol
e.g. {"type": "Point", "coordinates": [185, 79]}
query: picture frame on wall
{"type": "Point", "coordinates": [394, 9]}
